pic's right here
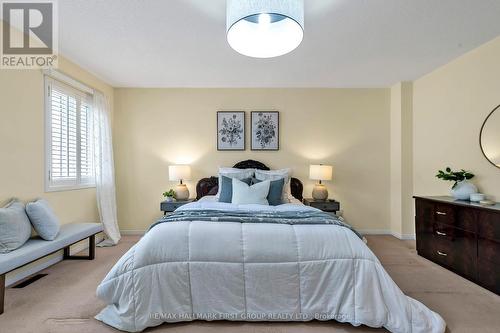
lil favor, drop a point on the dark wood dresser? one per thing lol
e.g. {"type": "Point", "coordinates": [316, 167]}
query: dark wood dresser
{"type": "Point", "coordinates": [461, 236]}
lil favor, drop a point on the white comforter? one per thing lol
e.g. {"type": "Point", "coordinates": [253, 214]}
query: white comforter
{"type": "Point", "coordinates": [181, 271]}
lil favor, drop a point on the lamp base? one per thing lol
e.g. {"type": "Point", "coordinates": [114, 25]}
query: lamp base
{"type": "Point", "coordinates": [181, 192]}
{"type": "Point", "coordinates": [320, 193]}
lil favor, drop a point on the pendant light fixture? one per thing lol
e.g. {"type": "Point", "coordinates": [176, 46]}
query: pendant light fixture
{"type": "Point", "coordinates": [265, 28]}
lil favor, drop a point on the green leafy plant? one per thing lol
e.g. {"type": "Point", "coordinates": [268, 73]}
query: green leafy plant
{"type": "Point", "coordinates": [454, 176]}
{"type": "Point", "coordinates": [169, 194]}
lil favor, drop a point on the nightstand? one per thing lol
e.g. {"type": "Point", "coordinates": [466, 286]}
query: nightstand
{"type": "Point", "coordinates": [330, 206]}
{"type": "Point", "coordinates": [170, 206]}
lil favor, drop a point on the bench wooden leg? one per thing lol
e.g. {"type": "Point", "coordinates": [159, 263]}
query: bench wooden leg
{"type": "Point", "coordinates": [91, 256]}
{"type": "Point", "coordinates": [2, 292]}
{"type": "Point", "coordinates": [92, 247]}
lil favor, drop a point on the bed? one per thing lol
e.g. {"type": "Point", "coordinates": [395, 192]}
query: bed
{"type": "Point", "coordinates": [220, 261]}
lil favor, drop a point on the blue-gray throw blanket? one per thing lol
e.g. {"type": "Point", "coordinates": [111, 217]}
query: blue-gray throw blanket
{"type": "Point", "coordinates": [285, 217]}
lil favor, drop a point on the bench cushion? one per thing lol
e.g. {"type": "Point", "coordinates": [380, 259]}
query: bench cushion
{"type": "Point", "coordinates": [36, 248]}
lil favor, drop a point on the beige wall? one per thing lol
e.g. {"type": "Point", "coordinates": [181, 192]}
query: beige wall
{"type": "Point", "coordinates": [381, 153]}
{"type": "Point", "coordinates": [348, 128]}
{"type": "Point", "coordinates": [450, 104]}
{"type": "Point", "coordinates": [22, 144]}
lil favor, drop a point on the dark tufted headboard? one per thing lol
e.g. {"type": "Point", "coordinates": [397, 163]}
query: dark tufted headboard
{"type": "Point", "coordinates": [209, 186]}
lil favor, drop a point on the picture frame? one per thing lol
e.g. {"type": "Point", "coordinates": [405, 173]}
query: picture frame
{"type": "Point", "coordinates": [231, 131]}
{"type": "Point", "coordinates": [265, 130]}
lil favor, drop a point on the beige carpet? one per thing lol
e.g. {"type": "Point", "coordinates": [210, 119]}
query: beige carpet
{"type": "Point", "coordinates": [64, 301]}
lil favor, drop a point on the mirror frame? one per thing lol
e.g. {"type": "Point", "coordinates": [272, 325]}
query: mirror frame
{"type": "Point", "coordinates": [481, 135]}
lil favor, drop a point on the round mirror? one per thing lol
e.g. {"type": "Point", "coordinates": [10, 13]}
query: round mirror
{"type": "Point", "coordinates": [490, 137]}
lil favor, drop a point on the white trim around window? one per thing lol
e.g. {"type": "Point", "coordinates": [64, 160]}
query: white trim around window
{"type": "Point", "coordinates": [69, 136]}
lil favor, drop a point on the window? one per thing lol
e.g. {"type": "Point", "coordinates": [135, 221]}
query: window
{"type": "Point", "coordinates": [69, 146]}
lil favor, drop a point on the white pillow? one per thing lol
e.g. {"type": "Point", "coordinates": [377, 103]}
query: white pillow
{"type": "Point", "coordinates": [275, 175]}
{"type": "Point", "coordinates": [255, 194]}
{"type": "Point", "coordinates": [233, 173]}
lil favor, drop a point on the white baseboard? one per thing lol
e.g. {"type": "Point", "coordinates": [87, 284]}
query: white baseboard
{"type": "Point", "coordinates": [374, 231]}
{"type": "Point", "coordinates": [15, 277]}
{"type": "Point", "coordinates": [387, 232]}
{"type": "Point", "coordinates": [404, 236]}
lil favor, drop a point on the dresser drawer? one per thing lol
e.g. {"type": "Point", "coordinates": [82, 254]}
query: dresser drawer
{"type": "Point", "coordinates": [456, 216]}
{"type": "Point", "coordinates": [444, 213]}
{"type": "Point", "coordinates": [455, 249]}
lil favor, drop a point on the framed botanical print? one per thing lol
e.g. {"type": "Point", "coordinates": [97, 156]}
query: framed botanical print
{"type": "Point", "coordinates": [231, 130]}
{"type": "Point", "coordinates": [265, 130]}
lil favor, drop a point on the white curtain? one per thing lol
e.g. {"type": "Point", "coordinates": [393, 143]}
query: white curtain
{"type": "Point", "coordinates": [105, 170]}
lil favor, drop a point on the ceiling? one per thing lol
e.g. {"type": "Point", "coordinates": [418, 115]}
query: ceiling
{"type": "Point", "coordinates": [347, 43]}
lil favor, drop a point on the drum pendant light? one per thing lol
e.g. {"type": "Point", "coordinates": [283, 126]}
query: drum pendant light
{"type": "Point", "coordinates": [264, 28]}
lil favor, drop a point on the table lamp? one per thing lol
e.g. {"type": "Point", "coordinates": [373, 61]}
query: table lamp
{"type": "Point", "coordinates": [320, 172]}
{"type": "Point", "coordinates": [180, 173]}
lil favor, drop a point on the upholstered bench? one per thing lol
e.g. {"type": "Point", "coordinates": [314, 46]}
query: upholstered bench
{"type": "Point", "coordinates": [37, 248]}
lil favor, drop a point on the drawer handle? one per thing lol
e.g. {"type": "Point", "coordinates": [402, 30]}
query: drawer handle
{"type": "Point", "coordinates": [441, 213]}
{"type": "Point", "coordinates": [442, 253]}
{"type": "Point", "coordinates": [441, 233]}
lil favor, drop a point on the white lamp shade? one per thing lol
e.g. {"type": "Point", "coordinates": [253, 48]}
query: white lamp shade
{"type": "Point", "coordinates": [264, 29]}
{"type": "Point", "coordinates": [179, 172]}
{"type": "Point", "coordinates": [320, 172]}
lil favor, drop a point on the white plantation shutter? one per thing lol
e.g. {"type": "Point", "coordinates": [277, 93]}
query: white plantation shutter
{"type": "Point", "coordinates": [86, 144]}
{"type": "Point", "coordinates": [69, 137]}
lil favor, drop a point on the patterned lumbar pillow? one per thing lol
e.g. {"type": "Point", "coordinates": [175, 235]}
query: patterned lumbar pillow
{"type": "Point", "coordinates": [43, 219]}
{"type": "Point", "coordinates": [246, 194]}
{"type": "Point", "coordinates": [15, 227]}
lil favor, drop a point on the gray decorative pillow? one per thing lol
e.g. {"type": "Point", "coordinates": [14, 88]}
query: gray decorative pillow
{"type": "Point", "coordinates": [226, 188]}
{"type": "Point", "coordinates": [43, 219]}
{"type": "Point", "coordinates": [15, 227]}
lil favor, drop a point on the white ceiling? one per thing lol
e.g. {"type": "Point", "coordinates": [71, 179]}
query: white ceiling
{"type": "Point", "coordinates": [347, 43]}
